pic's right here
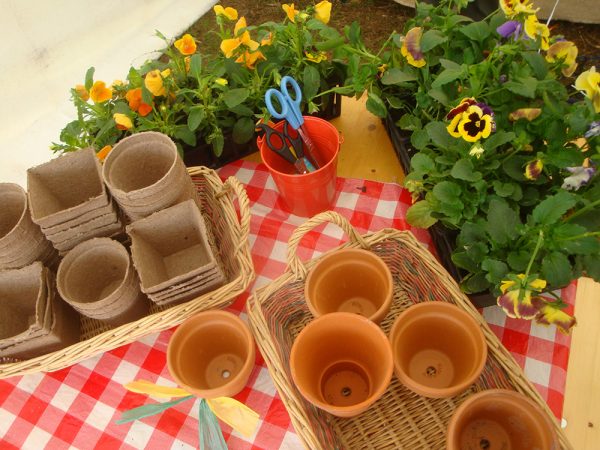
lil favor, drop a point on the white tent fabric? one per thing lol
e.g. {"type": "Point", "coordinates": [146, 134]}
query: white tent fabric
{"type": "Point", "coordinates": [47, 48]}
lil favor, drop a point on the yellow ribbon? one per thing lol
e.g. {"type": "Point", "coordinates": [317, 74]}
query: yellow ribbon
{"type": "Point", "coordinates": [235, 414]}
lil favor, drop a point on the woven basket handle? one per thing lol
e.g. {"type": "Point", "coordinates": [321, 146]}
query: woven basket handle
{"type": "Point", "coordinates": [233, 184]}
{"type": "Point", "coordinates": [294, 263]}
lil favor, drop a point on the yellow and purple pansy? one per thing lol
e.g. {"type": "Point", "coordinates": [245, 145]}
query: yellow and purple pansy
{"type": "Point", "coordinates": [513, 7]}
{"type": "Point", "coordinates": [524, 113]}
{"type": "Point", "coordinates": [516, 298]}
{"type": "Point", "coordinates": [533, 169]}
{"type": "Point", "coordinates": [536, 30]}
{"type": "Point", "coordinates": [471, 120]}
{"type": "Point", "coordinates": [411, 47]}
{"type": "Point", "coordinates": [580, 175]}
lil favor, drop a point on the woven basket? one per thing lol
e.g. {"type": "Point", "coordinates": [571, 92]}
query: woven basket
{"type": "Point", "coordinates": [228, 237]}
{"type": "Point", "coordinates": [400, 419]}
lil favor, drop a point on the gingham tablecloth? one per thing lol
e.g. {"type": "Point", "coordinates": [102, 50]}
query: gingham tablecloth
{"type": "Point", "coordinates": [77, 407]}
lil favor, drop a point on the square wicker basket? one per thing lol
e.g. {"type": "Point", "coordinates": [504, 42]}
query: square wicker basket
{"type": "Point", "coordinates": [228, 236]}
{"type": "Point", "coordinates": [400, 419]}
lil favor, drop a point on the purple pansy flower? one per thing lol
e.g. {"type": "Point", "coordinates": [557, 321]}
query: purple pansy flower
{"type": "Point", "coordinates": [511, 28]}
{"type": "Point", "coordinates": [594, 130]}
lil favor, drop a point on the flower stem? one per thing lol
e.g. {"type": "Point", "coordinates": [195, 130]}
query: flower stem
{"type": "Point", "coordinates": [573, 238]}
{"type": "Point", "coordinates": [585, 209]}
{"type": "Point", "coordinates": [538, 244]}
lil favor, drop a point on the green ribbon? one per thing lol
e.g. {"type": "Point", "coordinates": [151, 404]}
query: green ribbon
{"type": "Point", "coordinates": [149, 410]}
{"type": "Point", "coordinates": [209, 430]}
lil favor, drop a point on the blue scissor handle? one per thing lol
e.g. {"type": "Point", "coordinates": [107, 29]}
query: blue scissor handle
{"type": "Point", "coordinates": [290, 108]}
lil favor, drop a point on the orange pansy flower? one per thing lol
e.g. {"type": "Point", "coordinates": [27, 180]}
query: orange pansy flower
{"type": "Point", "coordinates": [186, 45]}
{"type": "Point", "coordinates": [99, 93]}
{"type": "Point", "coordinates": [134, 97]}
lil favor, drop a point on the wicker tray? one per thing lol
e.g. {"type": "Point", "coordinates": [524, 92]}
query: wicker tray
{"type": "Point", "coordinates": [229, 240]}
{"type": "Point", "coordinates": [400, 419]}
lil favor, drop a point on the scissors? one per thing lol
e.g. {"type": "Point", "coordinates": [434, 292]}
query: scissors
{"type": "Point", "coordinates": [290, 111]}
{"type": "Point", "coordinates": [277, 141]}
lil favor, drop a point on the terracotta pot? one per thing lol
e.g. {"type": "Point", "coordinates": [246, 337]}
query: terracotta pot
{"type": "Point", "coordinates": [500, 419]}
{"type": "Point", "coordinates": [350, 280]}
{"type": "Point", "coordinates": [212, 354]}
{"type": "Point", "coordinates": [439, 349]}
{"type": "Point", "coordinates": [342, 363]}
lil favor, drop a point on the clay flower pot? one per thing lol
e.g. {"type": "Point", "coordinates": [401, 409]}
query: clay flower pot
{"type": "Point", "coordinates": [211, 354]}
{"type": "Point", "coordinates": [342, 363]}
{"type": "Point", "coordinates": [350, 280]}
{"type": "Point", "coordinates": [439, 349]}
{"type": "Point", "coordinates": [500, 419]}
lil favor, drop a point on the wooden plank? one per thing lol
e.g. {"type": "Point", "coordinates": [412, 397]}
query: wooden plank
{"type": "Point", "coordinates": [582, 396]}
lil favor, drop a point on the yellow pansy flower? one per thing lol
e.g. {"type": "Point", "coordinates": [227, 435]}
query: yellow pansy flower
{"type": "Point", "coordinates": [534, 29]}
{"type": "Point", "coordinates": [99, 93]}
{"type": "Point", "coordinates": [290, 11]}
{"type": "Point", "coordinates": [249, 59]}
{"type": "Point", "coordinates": [323, 11]}
{"type": "Point", "coordinates": [222, 81]}
{"type": "Point", "coordinates": [525, 113]}
{"type": "Point", "coordinates": [228, 46]}
{"type": "Point", "coordinates": [588, 82]}
{"type": "Point", "coordinates": [513, 7]}
{"type": "Point", "coordinates": [186, 45]}
{"type": "Point", "coordinates": [154, 81]}
{"type": "Point", "coordinates": [316, 57]}
{"type": "Point", "coordinates": [123, 121]}
{"type": "Point", "coordinates": [229, 12]}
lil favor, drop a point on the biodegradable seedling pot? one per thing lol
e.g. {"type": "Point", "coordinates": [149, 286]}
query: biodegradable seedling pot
{"type": "Point", "coordinates": [63, 188]}
{"type": "Point", "coordinates": [21, 241]}
{"type": "Point", "coordinates": [212, 354]}
{"type": "Point", "coordinates": [439, 349]}
{"type": "Point", "coordinates": [98, 279]}
{"type": "Point", "coordinates": [499, 419]}
{"type": "Point", "coordinates": [145, 174]}
{"type": "Point", "coordinates": [350, 280]}
{"type": "Point", "coordinates": [342, 363]}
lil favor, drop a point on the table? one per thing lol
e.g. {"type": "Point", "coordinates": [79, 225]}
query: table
{"type": "Point", "coordinates": [77, 407]}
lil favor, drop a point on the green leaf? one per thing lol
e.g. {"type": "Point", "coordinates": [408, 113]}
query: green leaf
{"type": "Point", "coordinates": [496, 270]}
{"type": "Point", "coordinates": [553, 208]}
{"type": "Point", "coordinates": [474, 283]}
{"type": "Point", "coordinates": [431, 39]}
{"type": "Point", "coordinates": [449, 64]}
{"type": "Point", "coordinates": [409, 122]}
{"type": "Point", "coordinates": [464, 261]}
{"type": "Point", "coordinates": [591, 266]}
{"type": "Point", "coordinates": [471, 233]}
{"type": "Point", "coordinates": [375, 105]}
{"type": "Point", "coordinates": [419, 215]}
{"type": "Point", "coordinates": [439, 95]}
{"type": "Point", "coordinates": [439, 134]}
{"type": "Point", "coordinates": [419, 139]}
{"type": "Point", "coordinates": [447, 76]}
{"type": "Point", "coordinates": [396, 76]}
{"type": "Point", "coordinates": [556, 269]}
{"type": "Point", "coordinates": [523, 86]}
{"type": "Point", "coordinates": [476, 31]}
{"type": "Point", "coordinates": [503, 189]}
{"type": "Point", "coordinates": [497, 139]}
{"type": "Point", "coordinates": [146, 95]}
{"type": "Point", "coordinates": [502, 221]}
{"type": "Point", "coordinates": [243, 130]}
{"type": "Point", "coordinates": [195, 117]}
{"type": "Point", "coordinates": [242, 110]}
{"type": "Point", "coordinates": [134, 77]}
{"type": "Point", "coordinates": [312, 82]}
{"type": "Point", "coordinates": [330, 44]}
{"type": "Point", "coordinates": [186, 135]}
{"type": "Point", "coordinates": [89, 78]}
{"type": "Point", "coordinates": [196, 65]}
{"type": "Point", "coordinates": [537, 63]}
{"type": "Point", "coordinates": [234, 97]}
{"type": "Point", "coordinates": [395, 102]}
{"type": "Point", "coordinates": [568, 237]}
{"type": "Point", "coordinates": [447, 192]}
{"type": "Point", "coordinates": [564, 156]}
{"type": "Point", "coordinates": [217, 142]}
{"type": "Point", "coordinates": [463, 170]}
{"type": "Point", "coordinates": [422, 163]}
{"type": "Point", "coordinates": [518, 260]}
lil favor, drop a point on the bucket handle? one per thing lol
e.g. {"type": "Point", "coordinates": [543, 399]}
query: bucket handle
{"type": "Point", "coordinates": [233, 184]}
{"type": "Point", "coordinates": [297, 267]}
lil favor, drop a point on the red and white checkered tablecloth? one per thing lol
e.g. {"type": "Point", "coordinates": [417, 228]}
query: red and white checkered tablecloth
{"type": "Point", "coordinates": [77, 407]}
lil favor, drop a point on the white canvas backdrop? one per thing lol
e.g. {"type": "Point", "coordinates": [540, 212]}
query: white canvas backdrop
{"type": "Point", "coordinates": [45, 50]}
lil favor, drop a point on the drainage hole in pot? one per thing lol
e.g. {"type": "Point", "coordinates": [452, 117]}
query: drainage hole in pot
{"type": "Point", "coordinates": [226, 374]}
{"type": "Point", "coordinates": [431, 371]}
{"type": "Point", "coordinates": [484, 444]}
{"type": "Point", "coordinates": [346, 392]}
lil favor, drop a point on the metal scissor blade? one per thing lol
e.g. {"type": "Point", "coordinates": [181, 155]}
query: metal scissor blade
{"type": "Point", "coordinates": [310, 146]}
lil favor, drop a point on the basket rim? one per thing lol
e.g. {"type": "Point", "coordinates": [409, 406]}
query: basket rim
{"type": "Point", "coordinates": [162, 320]}
{"type": "Point", "coordinates": [290, 396]}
